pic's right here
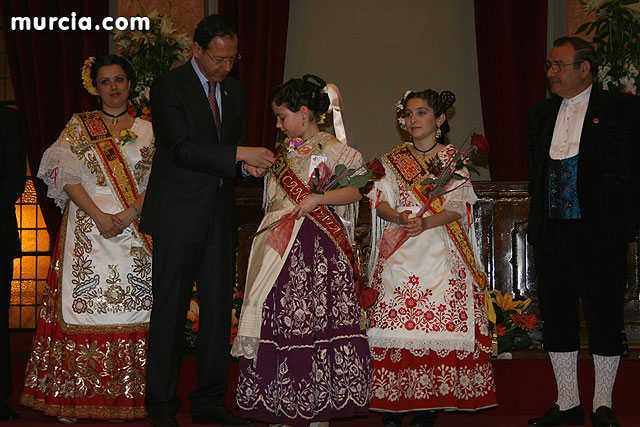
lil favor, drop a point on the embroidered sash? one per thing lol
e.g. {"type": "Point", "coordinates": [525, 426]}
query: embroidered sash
{"type": "Point", "coordinates": [411, 171]}
{"type": "Point", "coordinates": [111, 158]}
{"type": "Point", "coordinates": [296, 189]}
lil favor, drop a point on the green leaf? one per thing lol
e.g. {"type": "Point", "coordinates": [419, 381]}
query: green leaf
{"type": "Point", "coordinates": [359, 181]}
{"type": "Point", "coordinates": [339, 169]}
{"type": "Point", "coordinates": [344, 181]}
{"type": "Point", "coordinates": [582, 27]}
{"type": "Point", "coordinates": [428, 181]}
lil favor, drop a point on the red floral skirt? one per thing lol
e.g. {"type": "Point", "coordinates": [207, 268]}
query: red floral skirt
{"type": "Point", "coordinates": [84, 371]}
{"type": "Point", "coordinates": [412, 380]}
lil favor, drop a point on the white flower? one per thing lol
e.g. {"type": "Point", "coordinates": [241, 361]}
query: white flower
{"type": "Point", "coordinates": [590, 5]}
{"type": "Point", "coordinates": [166, 26]}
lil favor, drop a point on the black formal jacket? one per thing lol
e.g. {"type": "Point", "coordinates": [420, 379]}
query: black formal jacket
{"type": "Point", "coordinates": [608, 174]}
{"type": "Point", "coordinates": [12, 179]}
{"type": "Point", "coordinates": [184, 192]}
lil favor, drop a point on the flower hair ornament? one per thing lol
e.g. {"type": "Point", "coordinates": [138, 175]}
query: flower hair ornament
{"type": "Point", "coordinates": [400, 110]}
{"type": "Point", "coordinates": [445, 98]}
{"type": "Point", "coordinates": [86, 76]}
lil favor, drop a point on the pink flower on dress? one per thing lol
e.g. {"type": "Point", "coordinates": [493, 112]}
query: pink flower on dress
{"type": "Point", "coordinates": [451, 327]}
{"type": "Point", "coordinates": [410, 302]}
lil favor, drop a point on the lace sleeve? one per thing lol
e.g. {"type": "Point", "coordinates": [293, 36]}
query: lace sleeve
{"type": "Point", "coordinates": [145, 133]}
{"type": "Point", "coordinates": [59, 166]}
{"type": "Point", "coordinates": [462, 194]}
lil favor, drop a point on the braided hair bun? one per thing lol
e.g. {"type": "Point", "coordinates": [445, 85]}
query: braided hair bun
{"type": "Point", "coordinates": [438, 102]}
{"type": "Point", "coordinates": [306, 91]}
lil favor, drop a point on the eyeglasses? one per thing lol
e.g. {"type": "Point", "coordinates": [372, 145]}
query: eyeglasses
{"type": "Point", "coordinates": [556, 67]}
{"type": "Point", "coordinates": [219, 61]}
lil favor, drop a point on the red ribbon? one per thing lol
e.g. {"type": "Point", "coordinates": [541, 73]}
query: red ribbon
{"type": "Point", "coordinates": [54, 175]}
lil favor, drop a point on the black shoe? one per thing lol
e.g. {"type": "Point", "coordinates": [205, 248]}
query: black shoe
{"type": "Point", "coordinates": [221, 416]}
{"type": "Point", "coordinates": [424, 419]}
{"type": "Point", "coordinates": [7, 414]}
{"type": "Point", "coordinates": [163, 419]}
{"type": "Point", "coordinates": [603, 417]}
{"type": "Point", "coordinates": [556, 417]}
{"type": "Point", "coordinates": [391, 419]}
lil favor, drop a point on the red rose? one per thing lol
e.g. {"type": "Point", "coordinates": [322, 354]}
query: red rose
{"type": "Point", "coordinates": [480, 142]}
{"type": "Point", "coordinates": [376, 169]}
{"type": "Point", "coordinates": [132, 111]}
{"type": "Point", "coordinates": [500, 330]}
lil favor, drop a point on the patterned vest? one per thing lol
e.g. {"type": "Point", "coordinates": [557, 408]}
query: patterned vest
{"type": "Point", "coordinates": [563, 184]}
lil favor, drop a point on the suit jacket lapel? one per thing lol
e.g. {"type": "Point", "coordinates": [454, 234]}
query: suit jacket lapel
{"type": "Point", "coordinates": [548, 124]}
{"type": "Point", "coordinates": [225, 100]}
{"type": "Point", "coordinates": [590, 126]}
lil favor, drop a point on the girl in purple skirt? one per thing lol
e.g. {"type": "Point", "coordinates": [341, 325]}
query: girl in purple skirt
{"type": "Point", "coordinates": [304, 357]}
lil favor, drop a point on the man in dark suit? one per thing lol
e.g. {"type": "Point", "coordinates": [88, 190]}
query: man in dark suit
{"type": "Point", "coordinates": [585, 208]}
{"type": "Point", "coordinates": [12, 181]}
{"type": "Point", "coordinates": [199, 123]}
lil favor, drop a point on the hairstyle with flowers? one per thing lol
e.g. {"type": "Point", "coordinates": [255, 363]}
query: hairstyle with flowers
{"type": "Point", "coordinates": [438, 102]}
{"type": "Point", "coordinates": [86, 76]}
{"type": "Point", "coordinates": [92, 65]}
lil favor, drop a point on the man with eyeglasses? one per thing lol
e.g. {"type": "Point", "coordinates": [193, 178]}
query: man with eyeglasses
{"type": "Point", "coordinates": [585, 208]}
{"type": "Point", "coordinates": [199, 123]}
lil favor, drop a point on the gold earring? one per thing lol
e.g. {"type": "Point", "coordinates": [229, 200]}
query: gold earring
{"type": "Point", "coordinates": [438, 133]}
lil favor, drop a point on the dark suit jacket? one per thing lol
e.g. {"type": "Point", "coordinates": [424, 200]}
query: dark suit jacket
{"type": "Point", "coordinates": [183, 193]}
{"type": "Point", "coordinates": [608, 183]}
{"type": "Point", "coordinates": [12, 179]}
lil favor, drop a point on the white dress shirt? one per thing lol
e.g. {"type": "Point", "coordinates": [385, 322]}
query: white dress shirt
{"type": "Point", "coordinates": [566, 134]}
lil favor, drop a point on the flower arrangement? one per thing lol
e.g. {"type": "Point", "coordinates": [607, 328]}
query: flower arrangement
{"type": "Point", "coordinates": [152, 53]}
{"type": "Point", "coordinates": [441, 183]}
{"type": "Point", "coordinates": [512, 326]}
{"type": "Point", "coordinates": [192, 324]}
{"type": "Point", "coordinates": [86, 76]}
{"type": "Point", "coordinates": [616, 34]}
{"type": "Point", "coordinates": [127, 136]}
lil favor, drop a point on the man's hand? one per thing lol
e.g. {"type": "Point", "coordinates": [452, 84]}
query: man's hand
{"type": "Point", "coordinates": [258, 157]}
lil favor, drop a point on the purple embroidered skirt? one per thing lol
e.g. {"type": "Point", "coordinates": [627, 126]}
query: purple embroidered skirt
{"type": "Point", "coordinates": [313, 361]}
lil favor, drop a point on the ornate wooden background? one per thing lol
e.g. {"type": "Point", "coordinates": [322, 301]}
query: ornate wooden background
{"type": "Point", "coordinates": [501, 229]}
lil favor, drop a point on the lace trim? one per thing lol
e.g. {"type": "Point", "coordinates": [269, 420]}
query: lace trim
{"type": "Point", "coordinates": [413, 343]}
{"type": "Point", "coordinates": [247, 347]}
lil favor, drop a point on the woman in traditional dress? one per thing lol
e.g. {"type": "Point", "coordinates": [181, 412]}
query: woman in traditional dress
{"type": "Point", "coordinates": [89, 350]}
{"type": "Point", "coordinates": [428, 329]}
{"type": "Point", "coordinates": [304, 357]}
